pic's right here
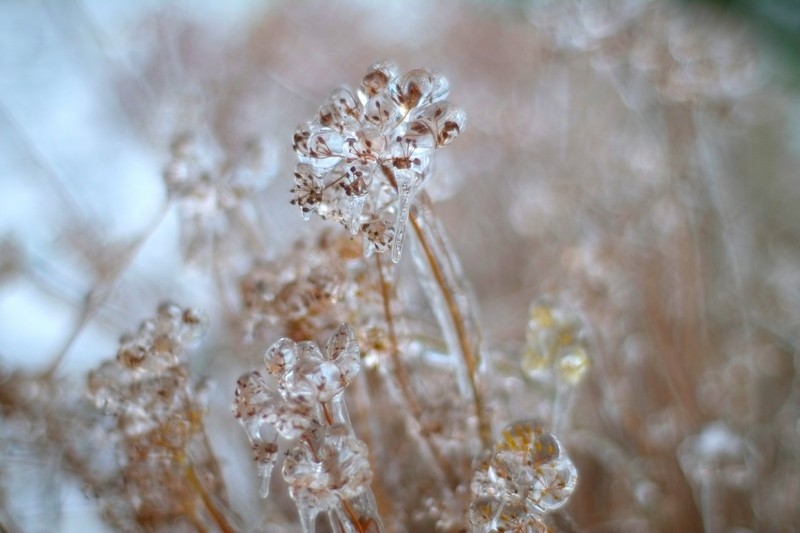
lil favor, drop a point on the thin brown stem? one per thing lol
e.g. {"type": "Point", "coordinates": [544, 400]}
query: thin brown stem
{"type": "Point", "coordinates": [447, 287]}
{"type": "Point", "coordinates": [351, 514]}
{"type": "Point", "coordinates": [407, 391]}
{"type": "Point", "coordinates": [468, 352]}
{"type": "Point", "coordinates": [216, 514]}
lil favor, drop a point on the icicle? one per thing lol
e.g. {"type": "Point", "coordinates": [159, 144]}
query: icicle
{"type": "Point", "coordinates": [352, 213]}
{"type": "Point", "coordinates": [265, 454]}
{"type": "Point", "coordinates": [308, 516]}
{"type": "Point", "coordinates": [365, 508]}
{"type": "Point", "coordinates": [369, 248]}
{"type": "Point", "coordinates": [405, 196]}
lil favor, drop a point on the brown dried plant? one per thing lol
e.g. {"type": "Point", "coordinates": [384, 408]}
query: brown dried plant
{"type": "Point", "coordinates": [575, 311]}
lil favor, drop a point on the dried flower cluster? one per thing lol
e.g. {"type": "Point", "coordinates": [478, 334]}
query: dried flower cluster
{"type": "Point", "coordinates": [328, 469]}
{"type": "Point", "coordinates": [213, 197]}
{"type": "Point", "coordinates": [168, 478]}
{"type": "Point", "coordinates": [364, 155]}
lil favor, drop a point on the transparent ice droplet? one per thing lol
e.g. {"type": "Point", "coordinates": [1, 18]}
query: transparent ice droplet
{"type": "Point", "coordinates": [307, 189]}
{"type": "Point", "coordinates": [355, 179]}
{"type": "Point", "coordinates": [382, 111]}
{"type": "Point", "coordinates": [251, 399]}
{"type": "Point", "coordinates": [308, 351]}
{"type": "Point", "coordinates": [194, 324]}
{"type": "Point", "coordinates": [281, 357]}
{"type": "Point", "coordinates": [535, 360]}
{"type": "Point", "coordinates": [342, 349]}
{"type": "Point", "coordinates": [421, 134]}
{"type": "Point", "coordinates": [380, 234]}
{"type": "Point", "coordinates": [417, 87]}
{"type": "Point", "coordinates": [301, 138]}
{"type": "Point", "coordinates": [343, 341]}
{"type": "Point", "coordinates": [367, 247]}
{"type": "Point", "coordinates": [553, 484]}
{"type": "Point", "coordinates": [340, 111]}
{"type": "Point", "coordinates": [443, 120]}
{"type": "Point", "coordinates": [512, 516]}
{"type": "Point", "coordinates": [572, 365]}
{"type": "Point", "coordinates": [482, 511]}
{"type": "Point", "coordinates": [716, 454]}
{"type": "Point", "coordinates": [323, 381]}
{"type": "Point", "coordinates": [169, 314]}
{"type": "Point", "coordinates": [326, 146]}
{"type": "Point", "coordinates": [105, 389]}
{"type": "Point", "coordinates": [294, 416]}
{"type": "Point", "coordinates": [377, 79]}
{"type": "Point", "coordinates": [351, 213]}
{"type": "Point", "coordinates": [307, 514]}
{"type": "Point", "coordinates": [555, 341]}
{"type": "Point", "coordinates": [132, 353]}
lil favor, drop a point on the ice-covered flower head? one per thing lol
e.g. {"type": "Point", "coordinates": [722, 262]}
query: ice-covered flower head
{"type": "Point", "coordinates": [365, 154]}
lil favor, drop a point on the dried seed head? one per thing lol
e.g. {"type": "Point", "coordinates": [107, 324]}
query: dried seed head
{"type": "Point", "coordinates": [355, 157]}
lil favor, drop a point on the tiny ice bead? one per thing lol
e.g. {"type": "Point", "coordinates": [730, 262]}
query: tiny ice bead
{"type": "Point", "coordinates": [553, 485]}
{"type": "Point", "coordinates": [340, 111]}
{"type": "Point", "coordinates": [377, 78]}
{"type": "Point", "coordinates": [382, 111]}
{"type": "Point", "coordinates": [281, 357]}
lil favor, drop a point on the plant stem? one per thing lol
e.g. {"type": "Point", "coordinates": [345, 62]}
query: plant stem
{"type": "Point", "coordinates": [215, 513]}
{"type": "Point", "coordinates": [407, 391]}
{"type": "Point", "coordinates": [447, 274]}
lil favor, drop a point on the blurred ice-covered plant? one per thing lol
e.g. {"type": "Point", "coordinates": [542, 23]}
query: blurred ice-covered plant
{"type": "Point", "coordinates": [168, 477]}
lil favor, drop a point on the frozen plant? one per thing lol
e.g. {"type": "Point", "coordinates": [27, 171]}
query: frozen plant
{"type": "Point", "coordinates": [168, 477]}
{"type": "Point", "coordinates": [365, 154]}
{"type": "Point", "coordinates": [327, 469]}
{"type": "Point", "coordinates": [628, 167]}
{"type": "Point", "coordinates": [525, 475]}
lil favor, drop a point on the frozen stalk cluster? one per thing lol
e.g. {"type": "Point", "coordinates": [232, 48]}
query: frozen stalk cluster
{"type": "Point", "coordinates": [327, 468]}
{"type": "Point", "coordinates": [365, 154]}
{"type": "Point", "coordinates": [524, 476]}
{"type": "Point", "coordinates": [168, 478]}
{"type": "Point", "coordinates": [150, 363]}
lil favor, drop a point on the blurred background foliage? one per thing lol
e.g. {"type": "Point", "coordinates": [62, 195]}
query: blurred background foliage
{"type": "Point", "coordinates": [777, 22]}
